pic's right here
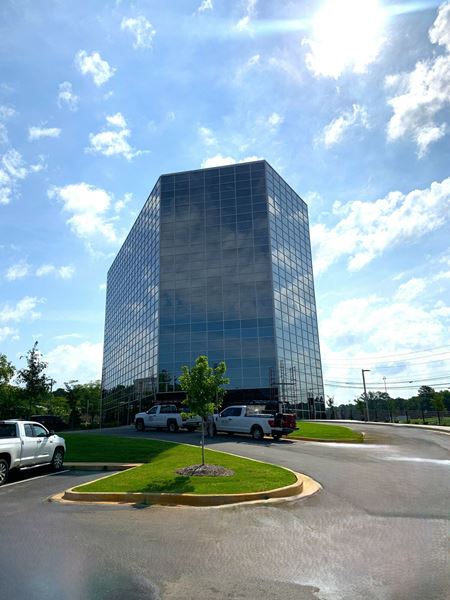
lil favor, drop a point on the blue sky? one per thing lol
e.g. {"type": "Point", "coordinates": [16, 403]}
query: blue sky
{"type": "Point", "coordinates": [348, 99]}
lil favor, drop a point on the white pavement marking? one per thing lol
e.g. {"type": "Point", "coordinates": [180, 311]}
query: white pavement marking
{"type": "Point", "coordinates": [33, 479]}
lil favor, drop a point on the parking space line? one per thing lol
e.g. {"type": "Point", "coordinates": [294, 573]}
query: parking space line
{"type": "Point", "coordinates": [33, 478]}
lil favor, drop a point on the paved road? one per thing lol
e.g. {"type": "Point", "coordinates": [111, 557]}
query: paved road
{"type": "Point", "coordinates": [376, 531]}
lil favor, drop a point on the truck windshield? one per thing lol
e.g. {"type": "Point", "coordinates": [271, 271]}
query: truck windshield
{"type": "Point", "coordinates": [8, 430]}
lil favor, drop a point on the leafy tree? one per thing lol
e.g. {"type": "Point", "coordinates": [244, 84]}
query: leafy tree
{"type": "Point", "coordinates": [11, 398]}
{"type": "Point", "coordinates": [204, 389]}
{"type": "Point", "coordinates": [33, 378]}
{"type": "Point", "coordinates": [73, 402]}
{"type": "Point", "coordinates": [361, 406]}
{"type": "Point", "coordinates": [425, 395]}
{"type": "Point", "coordinates": [7, 370]}
{"type": "Point", "coordinates": [438, 403]}
{"type": "Point", "coordinates": [89, 395]}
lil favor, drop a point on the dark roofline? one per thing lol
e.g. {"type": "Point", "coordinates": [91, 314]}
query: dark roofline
{"type": "Point", "coordinates": [250, 162]}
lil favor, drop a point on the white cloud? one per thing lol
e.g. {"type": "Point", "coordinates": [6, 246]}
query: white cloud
{"type": "Point", "coordinates": [346, 36]}
{"type": "Point", "coordinates": [410, 289]}
{"type": "Point", "coordinates": [440, 31]}
{"type": "Point", "coordinates": [6, 112]}
{"type": "Point", "coordinates": [24, 309]}
{"type": "Point", "coordinates": [17, 271]}
{"type": "Point", "coordinates": [35, 133]}
{"type": "Point", "coordinates": [94, 65]}
{"type": "Point", "coordinates": [66, 97]}
{"type": "Point", "coordinates": [275, 120]}
{"type": "Point", "coordinates": [64, 272]}
{"type": "Point", "coordinates": [207, 136]}
{"type": "Point", "coordinates": [334, 131]}
{"type": "Point", "coordinates": [81, 361]}
{"type": "Point", "coordinates": [14, 165]}
{"type": "Point", "coordinates": [88, 207]}
{"type": "Point", "coordinates": [244, 24]}
{"type": "Point", "coordinates": [205, 5]}
{"type": "Point", "coordinates": [120, 204]}
{"type": "Point", "coordinates": [365, 330]}
{"type": "Point", "coordinates": [141, 28]}
{"type": "Point", "coordinates": [114, 142]}
{"type": "Point", "coordinates": [7, 332]}
{"type": "Point", "coordinates": [3, 134]}
{"type": "Point", "coordinates": [368, 229]}
{"type": "Point", "coordinates": [219, 161]}
{"type": "Point", "coordinates": [422, 93]}
{"type": "Point", "coordinates": [102, 287]}
{"type": "Point", "coordinates": [118, 120]}
{"type": "Point", "coordinates": [12, 170]}
{"type": "Point", "coordinates": [68, 336]}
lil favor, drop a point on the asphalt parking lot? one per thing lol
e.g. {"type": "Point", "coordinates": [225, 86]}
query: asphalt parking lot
{"type": "Point", "coordinates": [378, 530]}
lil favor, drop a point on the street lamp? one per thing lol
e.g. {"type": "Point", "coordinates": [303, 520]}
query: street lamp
{"type": "Point", "coordinates": [365, 391]}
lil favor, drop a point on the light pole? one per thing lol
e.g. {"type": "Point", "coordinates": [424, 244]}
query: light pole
{"type": "Point", "coordinates": [365, 391]}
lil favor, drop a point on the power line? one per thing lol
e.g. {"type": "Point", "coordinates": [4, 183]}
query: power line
{"type": "Point", "coordinates": [391, 381]}
{"type": "Point", "coordinates": [396, 354]}
{"type": "Point", "coordinates": [384, 366]}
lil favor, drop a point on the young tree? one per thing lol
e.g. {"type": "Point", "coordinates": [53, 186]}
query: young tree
{"type": "Point", "coordinates": [33, 378]}
{"type": "Point", "coordinates": [330, 403]}
{"type": "Point", "coordinates": [204, 389]}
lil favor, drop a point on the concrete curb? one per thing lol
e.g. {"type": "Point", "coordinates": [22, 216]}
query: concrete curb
{"type": "Point", "coordinates": [437, 428]}
{"type": "Point", "coordinates": [304, 486]}
{"type": "Point", "coordinates": [109, 466]}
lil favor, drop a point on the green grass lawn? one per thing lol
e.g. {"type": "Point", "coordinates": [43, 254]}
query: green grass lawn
{"type": "Point", "coordinates": [163, 459]}
{"type": "Point", "coordinates": [324, 431]}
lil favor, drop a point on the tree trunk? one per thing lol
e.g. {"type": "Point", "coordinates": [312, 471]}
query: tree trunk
{"type": "Point", "coordinates": [203, 441]}
{"type": "Point", "coordinates": [439, 417]}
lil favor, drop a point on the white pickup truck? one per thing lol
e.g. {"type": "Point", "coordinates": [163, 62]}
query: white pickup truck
{"type": "Point", "coordinates": [253, 420]}
{"type": "Point", "coordinates": [28, 444]}
{"type": "Point", "coordinates": [165, 416]}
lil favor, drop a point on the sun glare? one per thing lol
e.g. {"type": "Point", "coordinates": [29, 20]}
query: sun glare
{"type": "Point", "coordinates": [346, 33]}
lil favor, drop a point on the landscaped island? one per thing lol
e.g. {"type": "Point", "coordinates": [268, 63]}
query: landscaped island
{"type": "Point", "coordinates": [325, 431]}
{"type": "Point", "coordinates": [162, 460]}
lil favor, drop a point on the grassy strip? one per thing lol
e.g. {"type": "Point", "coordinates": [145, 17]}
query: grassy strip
{"type": "Point", "coordinates": [163, 459]}
{"type": "Point", "coordinates": [324, 431]}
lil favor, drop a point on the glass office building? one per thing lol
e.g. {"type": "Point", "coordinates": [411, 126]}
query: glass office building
{"type": "Point", "coordinates": [217, 263]}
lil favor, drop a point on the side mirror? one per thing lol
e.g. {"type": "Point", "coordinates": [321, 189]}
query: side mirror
{"type": "Point", "coordinates": [51, 432]}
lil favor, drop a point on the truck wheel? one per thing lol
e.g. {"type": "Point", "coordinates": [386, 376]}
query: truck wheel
{"type": "Point", "coordinates": [172, 426]}
{"type": "Point", "coordinates": [4, 470]}
{"type": "Point", "coordinates": [257, 433]}
{"type": "Point", "coordinates": [58, 459]}
{"type": "Point", "coordinates": [140, 425]}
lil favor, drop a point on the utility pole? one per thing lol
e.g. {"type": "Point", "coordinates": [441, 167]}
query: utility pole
{"type": "Point", "coordinates": [365, 391]}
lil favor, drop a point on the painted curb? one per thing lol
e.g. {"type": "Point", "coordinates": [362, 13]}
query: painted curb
{"type": "Point", "coordinates": [167, 499]}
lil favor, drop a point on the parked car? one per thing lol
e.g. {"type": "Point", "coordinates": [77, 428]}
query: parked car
{"type": "Point", "coordinates": [50, 422]}
{"type": "Point", "coordinates": [165, 416]}
{"type": "Point", "coordinates": [254, 421]}
{"type": "Point", "coordinates": [25, 444]}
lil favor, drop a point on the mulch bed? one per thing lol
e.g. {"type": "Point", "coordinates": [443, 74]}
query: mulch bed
{"type": "Point", "coordinates": [205, 471]}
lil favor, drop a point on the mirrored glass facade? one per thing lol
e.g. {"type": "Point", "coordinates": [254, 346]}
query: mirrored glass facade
{"type": "Point", "coordinates": [217, 263]}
